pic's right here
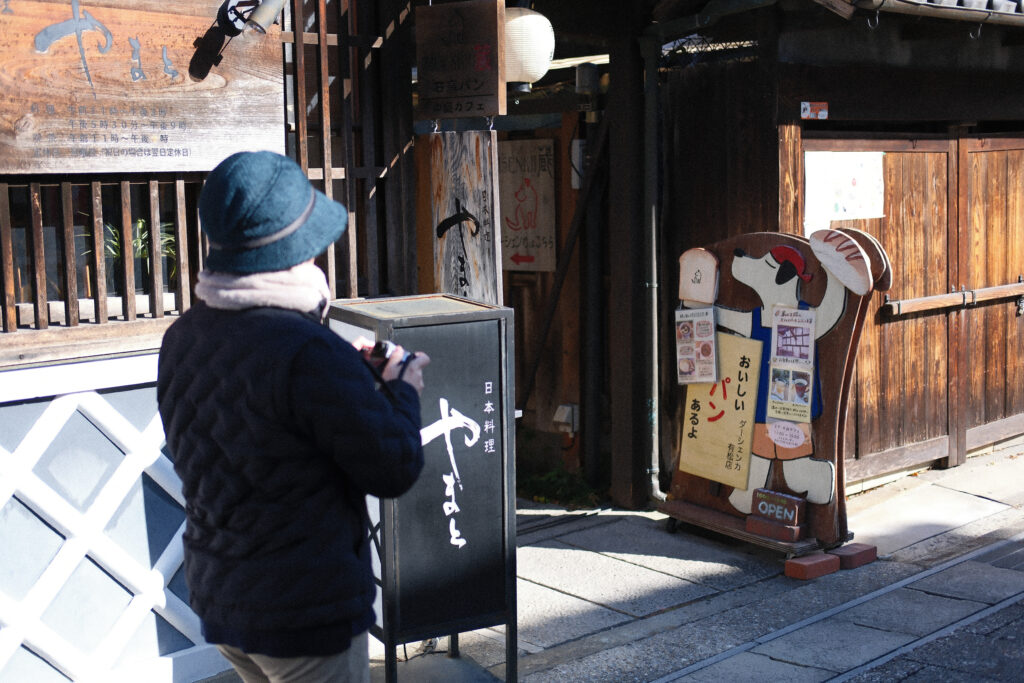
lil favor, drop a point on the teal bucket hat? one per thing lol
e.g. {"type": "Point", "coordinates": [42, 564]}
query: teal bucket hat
{"type": "Point", "coordinates": [261, 214]}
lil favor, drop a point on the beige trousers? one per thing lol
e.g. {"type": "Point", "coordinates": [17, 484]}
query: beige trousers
{"type": "Point", "coordinates": [350, 666]}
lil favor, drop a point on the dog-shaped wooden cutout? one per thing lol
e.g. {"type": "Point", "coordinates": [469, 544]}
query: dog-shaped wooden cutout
{"type": "Point", "coordinates": [832, 274]}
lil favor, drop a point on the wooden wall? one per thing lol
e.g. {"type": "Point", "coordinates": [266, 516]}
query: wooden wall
{"type": "Point", "coordinates": [720, 179]}
{"type": "Point", "coordinates": [929, 385]}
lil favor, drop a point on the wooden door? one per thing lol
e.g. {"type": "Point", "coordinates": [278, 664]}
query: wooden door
{"type": "Point", "coordinates": [899, 409]}
{"type": "Point", "coordinates": [991, 173]}
{"type": "Point", "coordinates": [934, 383]}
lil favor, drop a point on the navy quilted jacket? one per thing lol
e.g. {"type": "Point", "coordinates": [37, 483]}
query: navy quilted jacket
{"type": "Point", "coordinates": [277, 433]}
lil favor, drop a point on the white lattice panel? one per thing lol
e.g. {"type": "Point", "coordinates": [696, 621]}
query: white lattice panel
{"type": "Point", "coordinates": [91, 518]}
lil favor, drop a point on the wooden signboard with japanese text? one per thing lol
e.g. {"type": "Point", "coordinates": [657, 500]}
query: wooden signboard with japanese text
{"type": "Point", "coordinates": [117, 85]}
{"type": "Point", "coordinates": [527, 189]}
{"type": "Point", "coordinates": [459, 59]}
{"type": "Point", "coordinates": [719, 422]}
{"type": "Point", "coordinates": [464, 214]}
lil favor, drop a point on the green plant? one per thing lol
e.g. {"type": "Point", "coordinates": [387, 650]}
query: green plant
{"type": "Point", "coordinates": [113, 247]}
{"type": "Point", "coordinates": [560, 487]}
{"type": "Point", "coordinates": [112, 244]}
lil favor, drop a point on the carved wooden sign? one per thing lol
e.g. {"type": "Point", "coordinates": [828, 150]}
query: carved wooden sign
{"type": "Point", "coordinates": [770, 282]}
{"type": "Point", "coordinates": [121, 85]}
{"type": "Point", "coordinates": [459, 64]}
{"type": "Point", "coordinates": [527, 188]}
{"type": "Point", "coordinates": [464, 214]}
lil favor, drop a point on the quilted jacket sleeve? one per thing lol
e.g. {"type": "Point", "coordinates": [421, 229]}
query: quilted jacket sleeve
{"type": "Point", "coordinates": [373, 436]}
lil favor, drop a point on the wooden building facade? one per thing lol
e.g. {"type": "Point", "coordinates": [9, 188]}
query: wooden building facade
{"type": "Point", "coordinates": [95, 265]}
{"type": "Point", "coordinates": [938, 374]}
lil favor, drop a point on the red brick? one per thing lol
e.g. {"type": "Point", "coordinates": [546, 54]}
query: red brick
{"type": "Point", "coordinates": [811, 566]}
{"type": "Point", "coordinates": [853, 555]}
{"type": "Point", "coordinates": [780, 532]}
{"type": "Point", "coordinates": [778, 507]}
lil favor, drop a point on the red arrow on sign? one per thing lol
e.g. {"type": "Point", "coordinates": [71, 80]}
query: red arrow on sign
{"type": "Point", "coordinates": [519, 259]}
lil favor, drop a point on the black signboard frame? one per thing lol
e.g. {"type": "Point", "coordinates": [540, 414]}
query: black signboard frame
{"type": "Point", "coordinates": [444, 552]}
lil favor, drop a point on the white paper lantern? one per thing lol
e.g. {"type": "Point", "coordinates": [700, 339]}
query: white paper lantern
{"type": "Point", "coordinates": [529, 45]}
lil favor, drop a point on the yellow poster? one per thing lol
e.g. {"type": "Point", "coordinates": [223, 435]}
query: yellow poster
{"type": "Point", "coordinates": [718, 423]}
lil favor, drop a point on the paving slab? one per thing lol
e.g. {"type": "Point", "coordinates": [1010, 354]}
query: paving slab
{"type": "Point", "coordinates": [536, 527]}
{"type": "Point", "coordinates": [437, 667]}
{"type": "Point", "coordinates": [603, 580]}
{"type": "Point", "coordinates": [916, 514]}
{"type": "Point", "coordinates": [833, 644]}
{"type": "Point", "coordinates": [643, 660]}
{"type": "Point", "coordinates": [973, 655]}
{"type": "Point", "coordinates": [911, 611]}
{"type": "Point", "coordinates": [645, 542]}
{"type": "Point", "coordinates": [707, 609]}
{"type": "Point", "coordinates": [994, 476]}
{"type": "Point", "coordinates": [748, 667]}
{"type": "Point", "coordinates": [780, 608]}
{"type": "Point", "coordinates": [548, 617]}
{"type": "Point", "coordinates": [973, 580]}
{"type": "Point", "coordinates": [899, 669]}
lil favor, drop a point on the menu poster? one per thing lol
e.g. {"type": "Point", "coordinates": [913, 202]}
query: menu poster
{"type": "Point", "coordinates": [792, 364]}
{"type": "Point", "coordinates": [696, 357]}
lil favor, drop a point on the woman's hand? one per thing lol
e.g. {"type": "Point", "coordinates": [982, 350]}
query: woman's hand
{"type": "Point", "coordinates": [410, 371]}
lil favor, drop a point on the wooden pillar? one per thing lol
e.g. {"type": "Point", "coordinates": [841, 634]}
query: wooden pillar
{"type": "Point", "coordinates": [629, 407]}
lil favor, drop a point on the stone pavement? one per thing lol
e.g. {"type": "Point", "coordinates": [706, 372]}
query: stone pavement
{"type": "Point", "coordinates": [610, 595]}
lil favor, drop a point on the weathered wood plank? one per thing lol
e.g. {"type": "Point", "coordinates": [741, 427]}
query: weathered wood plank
{"type": "Point", "coordinates": [956, 266]}
{"type": "Point", "coordinates": [38, 258]}
{"type": "Point", "coordinates": [937, 255]}
{"type": "Point", "coordinates": [791, 179]}
{"type": "Point", "coordinates": [127, 253]}
{"type": "Point", "coordinates": [975, 248]}
{"type": "Point", "coordinates": [69, 277]}
{"type": "Point", "coordinates": [99, 254]}
{"type": "Point", "coordinates": [156, 253]}
{"type": "Point", "coordinates": [914, 245]}
{"type": "Point", "coordinates": [9, 315]}
{"type": "Point", "coordinates": [324, 81]}
{"type": "Point", "coordinates": [183, 290]}
{"type": "Point", "coordinates": [84, 341]}
{"type": "Point", "coordinates": [301, 102]}
{"type": "Point", "coordinates": [463, 188]}
{"type": "Point", "coordinates": [995, 273]}
{"type": "Point", "coordinates": [889, 427]}
{"type": "Point", "coordinates": [920, 454]}
{"type": "Point", "coordinates": [1015, 269]}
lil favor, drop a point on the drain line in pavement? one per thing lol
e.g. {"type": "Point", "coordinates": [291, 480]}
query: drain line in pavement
{"type": "Point", "coordinates": [821, 616]}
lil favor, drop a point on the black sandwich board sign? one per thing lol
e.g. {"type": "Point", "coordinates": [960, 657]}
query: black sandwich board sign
{"type": "Point", "coordinates": [444, 552]}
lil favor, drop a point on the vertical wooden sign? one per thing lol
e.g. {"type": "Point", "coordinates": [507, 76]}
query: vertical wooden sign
{"type": "Point", "coordinates": [527, 191]}
{"type": "Point", "coordinates": [459, 59]}
{"type": "Point", "coordinates": [464, 214]}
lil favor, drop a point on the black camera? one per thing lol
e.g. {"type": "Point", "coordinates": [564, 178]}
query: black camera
{"type": "Point", "coordinates": [382, 350]}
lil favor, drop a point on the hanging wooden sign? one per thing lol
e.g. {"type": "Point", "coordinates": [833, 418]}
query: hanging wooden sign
{"type": "Point", "coordinates": [117, 85]}
{"type": "Point", "coordinates": [460, 59]}
{"type": "Point", "coordinates": [527, 186]}
{"type": "Point", "coordinates": [464, 214]}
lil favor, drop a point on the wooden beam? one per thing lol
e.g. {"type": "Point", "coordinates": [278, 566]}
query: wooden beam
{"type": "Point", "coordinates": [628, 404]}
